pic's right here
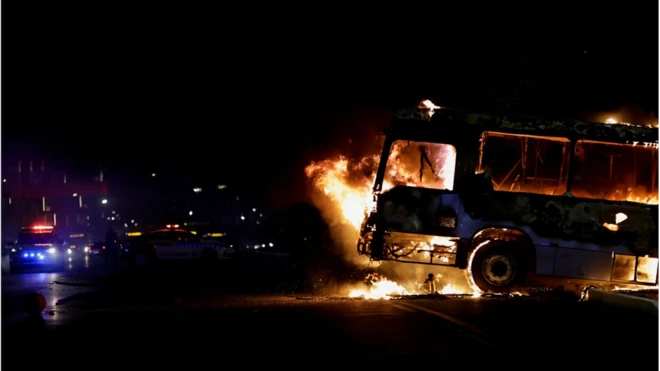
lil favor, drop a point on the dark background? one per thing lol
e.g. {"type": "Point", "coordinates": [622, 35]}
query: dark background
{"type": "Point", "coordinates": [250, 94]}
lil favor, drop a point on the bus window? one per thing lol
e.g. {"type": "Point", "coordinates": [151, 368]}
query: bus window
{"type": "Point", "coordinates": [525, 163]}
{"type": "Point", "coordinates": [615, 172]}
{"type": "Point", "coordinates": [420, 164]}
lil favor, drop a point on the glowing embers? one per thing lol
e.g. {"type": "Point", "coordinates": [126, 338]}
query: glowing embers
{"type": "Point", "coordinates": [379, 288]}
{"type": "Point", "coordinates": [420, 248]}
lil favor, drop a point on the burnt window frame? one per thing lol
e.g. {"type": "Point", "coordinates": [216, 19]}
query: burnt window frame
{"type": "Point", "coordinates": [565, 175]}
{"type": "Point", "coordinates": [574, 160]}
{"type": "Point", "coordinates": [410, 141]}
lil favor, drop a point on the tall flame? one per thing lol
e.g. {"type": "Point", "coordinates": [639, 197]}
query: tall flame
{"type": "Point", "coordinates": [347, 184]}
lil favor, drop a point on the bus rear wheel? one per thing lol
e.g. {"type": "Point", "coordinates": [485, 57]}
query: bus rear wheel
{"type": "Point", "coordinates": [498, 268]}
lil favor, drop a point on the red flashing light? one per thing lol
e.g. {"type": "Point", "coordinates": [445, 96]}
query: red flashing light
{"type": "Point", "coordinates": [172, 226]}
{"type": "Point", "coordinates": [42, 227]}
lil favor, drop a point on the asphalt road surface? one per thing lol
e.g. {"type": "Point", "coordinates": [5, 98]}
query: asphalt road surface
{"type": "Point", "coordinates": [194, 325]}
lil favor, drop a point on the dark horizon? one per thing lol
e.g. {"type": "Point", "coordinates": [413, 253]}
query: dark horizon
{"type": "Point", "coordinates": [255, 112]}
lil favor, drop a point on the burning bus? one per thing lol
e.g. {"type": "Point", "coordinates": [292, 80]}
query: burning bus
{"type": "Point", "coordinates": [505, 198]}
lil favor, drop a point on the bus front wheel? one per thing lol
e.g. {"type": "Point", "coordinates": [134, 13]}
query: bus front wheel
{"type": "Point", "coordinates": [498, 268]}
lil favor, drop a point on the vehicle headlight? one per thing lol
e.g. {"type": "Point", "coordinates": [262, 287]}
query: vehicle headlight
{"type": "Point", "coordinates": [52, 250]}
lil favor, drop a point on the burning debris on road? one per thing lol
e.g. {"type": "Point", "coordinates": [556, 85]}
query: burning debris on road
{"type": "Point", "coordinates": [379, 287]}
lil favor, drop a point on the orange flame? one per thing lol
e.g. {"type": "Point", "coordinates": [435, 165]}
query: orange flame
{"type": "Point", "coordinates": [382, 288]}
{"type": "Point", "coordinates": [348, 184]}
{"type": "Point", "coordinates": [333, 178]}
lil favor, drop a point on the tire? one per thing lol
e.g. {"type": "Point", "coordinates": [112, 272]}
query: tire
{"type": "Point", "coordinates": [498, 268]}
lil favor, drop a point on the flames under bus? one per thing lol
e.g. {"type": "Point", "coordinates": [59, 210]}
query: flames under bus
{"type": "Point", "coordinates": [508, 199]}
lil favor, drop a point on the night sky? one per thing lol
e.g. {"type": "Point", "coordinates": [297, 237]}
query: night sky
{"type": "Point", "coordinates": [252, 94]}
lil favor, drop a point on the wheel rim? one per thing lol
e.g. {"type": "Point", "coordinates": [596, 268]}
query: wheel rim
{"type": "Point", "coordinates": [499, 269]}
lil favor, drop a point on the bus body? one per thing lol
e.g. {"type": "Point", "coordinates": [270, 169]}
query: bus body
{"type": "Point", "coordinates": [504, 198]}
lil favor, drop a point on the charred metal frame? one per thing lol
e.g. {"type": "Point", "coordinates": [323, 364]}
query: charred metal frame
{"type": "Point", "coordinates": [463, 130]}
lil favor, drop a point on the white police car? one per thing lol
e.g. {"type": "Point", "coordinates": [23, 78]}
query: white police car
{"type": "Point", "coordinates": [38, 247]}
{"type": "Point", "coordinates": [174, 243]}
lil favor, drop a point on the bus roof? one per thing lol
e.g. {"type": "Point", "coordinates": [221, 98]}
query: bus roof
{"type": "Point", "coordinates": [418, 125]}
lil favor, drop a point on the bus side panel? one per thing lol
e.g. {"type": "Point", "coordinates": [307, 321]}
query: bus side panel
{"type": "Point", "coordinates": [568, 218]}
{"type": "Point", "coordinates": [586, 264]}
{"type": "Point", "coordinates": [574, 263]}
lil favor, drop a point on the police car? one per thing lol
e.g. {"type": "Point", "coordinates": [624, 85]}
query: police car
{"type": "Point", "coordinates": [174, 243]}
{"type": "Point", "coordinates": [38, 247]}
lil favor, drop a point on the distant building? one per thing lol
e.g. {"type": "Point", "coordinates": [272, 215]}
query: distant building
{"type": "Point", "coordinates": [35, 193]}
{"type": "Point", "coordinates": [82, 206]}
{"type": "Point", "coordinates": [207, 208]}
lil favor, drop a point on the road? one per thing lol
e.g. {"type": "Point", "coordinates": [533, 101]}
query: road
{"type": "Point", "coordinates": [15, 287]}
{"type": "Point", "coordinates": [193, 325]}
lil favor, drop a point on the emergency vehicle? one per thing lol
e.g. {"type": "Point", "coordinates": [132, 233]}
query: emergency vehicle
{"type": "Point", "coordinates": [174, 243]}
{"type": "Point", "coordinates": [38, 247]}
